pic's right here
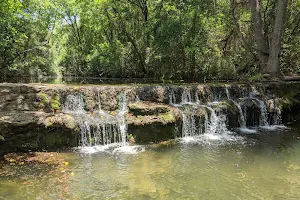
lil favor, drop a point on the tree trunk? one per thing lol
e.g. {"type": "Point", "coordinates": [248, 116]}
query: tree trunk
{"type": "Point", "coordinates": [273, 67]}
{"type": "Point", "coordinates": [261, 41]}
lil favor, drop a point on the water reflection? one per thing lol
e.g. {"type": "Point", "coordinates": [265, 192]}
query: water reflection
{"type": "Point", "coordinates": [262, 166]}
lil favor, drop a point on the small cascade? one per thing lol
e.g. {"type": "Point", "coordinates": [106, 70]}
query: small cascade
{"type": "Point", "coordinates": [99, 101]}
{"type": "Point", "coordinates": [197, 99]}
{"type": "Point", "coordinates": [186, 96]}
{"type": "Point", "coordinates": [123, 110]}
{"type": "Point", "coordinates": [263, 111]}
{"type": "Point", "coordinates": [242, 120]}
{"type": "Point", "coordinates": [97, 131]}
{"type": "Point", "coordinates": [172, 98]}
{"type": "Point", "coordinates": [98, 128]}
{"type": "Point", "coordinates": [277, 120]}
{"type": "Point", "coordinates": [188, 125]}
{"type": "Point", "coordinates": [137, 99]}
{"type": "Point", "coordinates": [212, 124]}
{"type": "Point", "coordinates": [73, 104]}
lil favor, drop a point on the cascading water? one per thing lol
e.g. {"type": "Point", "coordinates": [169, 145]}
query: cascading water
{"type": "Point", "coordinates": [263, 111]}
{"type": "Point", "coordinates": [99, 101]}
{"type": "Point", "coordinates": [242, 120]}
{"type": "Point", "coordinates": [188, 125]}
{"type": "Point", "coordinates": [99, 128]}
{"type": "Point", "coordinates": [197, 99]}
{"type": "Point", "coordinates": [214, 126]}
{"type": "Point", "coordinates": [74, 104]}
{"type": "Point", "coordinates": [172, 98]}
{"type": "Point", "coordinates": [199, 121]}
{"type": "Point", "coordinates": [277, 117]}
{"type": "Point", "coordinates": [186, 97]}
{"type": "Point", "coordinates": [123, 110]}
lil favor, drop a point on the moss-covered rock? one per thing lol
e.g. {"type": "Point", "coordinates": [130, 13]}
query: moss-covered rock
{"type": "Point", "coordinates": [55, 103]}
{"type": "Point", "coordinates": [24, 131]}
{"type": "Point", "coordinates": [143, 113]}
{"type": "Point", "coordinates": [148, 108]}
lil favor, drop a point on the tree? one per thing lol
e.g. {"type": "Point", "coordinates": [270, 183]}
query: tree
{"type": "Point", "coordinates": [269, 55]}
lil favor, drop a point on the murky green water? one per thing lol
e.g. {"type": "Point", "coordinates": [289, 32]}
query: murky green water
{"type": "Point", "coordinates": [262, 166]}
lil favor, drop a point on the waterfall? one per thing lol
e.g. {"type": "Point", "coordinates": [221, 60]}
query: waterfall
{"type": "Point", "coordinates": [188, 125]}
{"type": "Point", "coordinates": [99, 101]}
{"type": "Point", "coordinates": [197, 99]}
{"type": "Point", "coordinates": [277, 117]}
{"type": "Point", "coordinates": [186, 96]}
{"type": "Point", "coordinates": [212, 125]}
{"type": "Point", "coordinates": [263, 111]}
{"type": "Point", "coordinates": [242, 120]}
{"type": "Point", "coordinates": [137, 98]}
{"type": "Point", "coordinates": [123, 110]}
{"type": "Point", "coordinates": [99, 128]}
{"type": "Point", "coordinates": [73, 104]}
{"type": "Point", "coordinates": [172, 98]}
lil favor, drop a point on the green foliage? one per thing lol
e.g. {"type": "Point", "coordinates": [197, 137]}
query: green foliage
{"type": "Point", "coordinates": [167, 40]}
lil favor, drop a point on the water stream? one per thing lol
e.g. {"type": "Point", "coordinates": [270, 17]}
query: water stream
{"type": "Point", "coordinates": [210, 159]}
{"type": "Point", "coordinates": [199, 120]}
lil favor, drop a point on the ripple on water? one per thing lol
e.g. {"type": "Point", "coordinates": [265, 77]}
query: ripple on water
{"type": "Point", "coordinates": [115, 148]}
{"type": "Point", "coordinates": [208, 138]}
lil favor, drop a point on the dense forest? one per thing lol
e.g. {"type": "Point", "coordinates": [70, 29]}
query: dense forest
{"type": "Point", "coordinates": [164, 39]}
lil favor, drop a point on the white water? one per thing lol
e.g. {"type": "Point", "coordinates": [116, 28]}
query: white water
{"type": "Point", "coordinates": [214, 126]}
{"type": "Point", "coordinates": [123, 110]}
{"type": "Point", "coordinates": [99, 101]}
{"type": "Point", "coordinates": [74, 104]}
{"type": "Point", "coordinates": [101, 131]}
{"type": "Point", "coordinates": [172, 99]}
{"type": "Point", "coordinates": [242, 120]}
{"type": "Point", "coordinates": [186, 96]}
{"type": "Point", "coordinates": [263, 111]}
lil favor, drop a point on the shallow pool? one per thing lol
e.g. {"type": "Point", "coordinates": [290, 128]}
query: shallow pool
{"type": "Point", "coordinates": [264, 165]}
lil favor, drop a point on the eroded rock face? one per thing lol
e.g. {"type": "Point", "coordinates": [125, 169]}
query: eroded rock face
{"type": "Point", "coordinates": [25, 131]}
{"type": "Point", "coordinates": [152, 122]}
{"type": "Point", "coordinates": [148, 108]}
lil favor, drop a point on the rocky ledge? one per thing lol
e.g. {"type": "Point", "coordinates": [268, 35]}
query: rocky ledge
{"type": "Point", "coordinates": [35, 117]}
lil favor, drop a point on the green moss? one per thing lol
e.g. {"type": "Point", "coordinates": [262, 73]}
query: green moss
{"type": "Point", "coordinates": [131, 139]}
{"type": "Point", "coordinates": [167, 116]}
{"type": "Point", "coordinates": [55, 103]}
{"type": "Point", "coordinates": [48, 124]}
{"type": "Point", "coordinates": [44, 100]}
